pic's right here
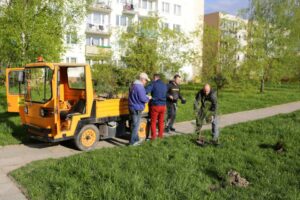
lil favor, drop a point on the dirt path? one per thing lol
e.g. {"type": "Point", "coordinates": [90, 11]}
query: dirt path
{"type": "Point", "coordinates": [16, 156]}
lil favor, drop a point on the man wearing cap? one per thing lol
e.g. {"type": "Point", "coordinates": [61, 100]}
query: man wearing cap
{"type": "Point", "coordinates": [173, 95]}
{"type": "Point", "coordinates": [136, 103]}
{"type": "Point", "coordinates": [158, 90]}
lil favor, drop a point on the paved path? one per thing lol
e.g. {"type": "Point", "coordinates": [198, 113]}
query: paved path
{"type": "Point", "coordinates": [16, 156]}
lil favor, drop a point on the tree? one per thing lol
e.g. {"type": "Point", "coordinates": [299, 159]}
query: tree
{"type": "Point", "coordinates": [150, 47]}
{"type": "Point", "coordinates": [29, 29]}
{"type": "Point", "coordinates": [220, 52]}
{"type": "Point", "coordinates": [271, 50]}
{"type": "Point", "coordinates": [105, 80]}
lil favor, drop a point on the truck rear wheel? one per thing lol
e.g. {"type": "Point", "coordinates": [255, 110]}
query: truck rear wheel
{"type": "Point", "coordinates": [87, 138]}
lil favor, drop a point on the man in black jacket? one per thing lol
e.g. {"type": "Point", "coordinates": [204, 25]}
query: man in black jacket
{"type": "Point", "coordinates": [173, 95]}
{"type": "Point", "coordinates": [205, 107]}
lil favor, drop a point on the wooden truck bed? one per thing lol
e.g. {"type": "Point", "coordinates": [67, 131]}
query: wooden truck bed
{"type": "Point", "coordinates": [113, 108]}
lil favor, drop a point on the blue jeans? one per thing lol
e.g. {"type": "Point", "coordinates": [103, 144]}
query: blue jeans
{"type": "Point", "coordinates": [135, 116]}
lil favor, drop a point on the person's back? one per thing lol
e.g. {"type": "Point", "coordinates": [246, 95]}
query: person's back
{"type": "Point", "coordinates": [158, 90]}
{"type": "Point", "coordinates": [137, 96]}
{"type": "Point", "coordinates": [159, 93]}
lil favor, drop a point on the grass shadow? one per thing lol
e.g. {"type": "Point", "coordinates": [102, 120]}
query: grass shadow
{"type": "Point", "coordinates": [115, 142]}
{"type": "Point", "coordinates": [17, 129]}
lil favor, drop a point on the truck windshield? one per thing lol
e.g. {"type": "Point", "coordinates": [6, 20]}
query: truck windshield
{"type": "Point", "coordinates": [38, 84]}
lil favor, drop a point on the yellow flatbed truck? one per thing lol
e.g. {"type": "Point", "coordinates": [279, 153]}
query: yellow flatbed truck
{"type": "Point", "coordinates": [60, 104]}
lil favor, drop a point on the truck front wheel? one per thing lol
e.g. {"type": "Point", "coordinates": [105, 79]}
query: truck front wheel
{"type": "Point", "coordinates": [87, 138]}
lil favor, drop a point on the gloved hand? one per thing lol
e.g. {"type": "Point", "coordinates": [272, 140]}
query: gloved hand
{"type": "Point", "coordinates": [183, 101]}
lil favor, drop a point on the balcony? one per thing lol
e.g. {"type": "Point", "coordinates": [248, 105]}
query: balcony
{"type": "Point", "coordinates": [101, 6]}
{"type": "Point", "coordinates": [98, 52]}
{"type": "Point", "coordinates": [98, 29]}
{"type": "Point", "coordinates": [129, 9]}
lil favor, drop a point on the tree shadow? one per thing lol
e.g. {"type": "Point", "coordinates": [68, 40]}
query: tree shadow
{"type": "Point", "coordinates": [279, 147]}
{"type": "Point", "coordinates": [11, 120]}
{"type": "Point", "coordinates": [115, 142]}
{"type": "Point", "coordinates": [266, 146]}
{"type": "Point", "coordinates": [18, 131]}
{"type": "Point", "coordinates": [220, 181]}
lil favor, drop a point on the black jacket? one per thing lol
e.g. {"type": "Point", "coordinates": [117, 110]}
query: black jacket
{"type": "Point", "coordinates": [174, 91]}
{"type": "Point", "coordinates": [201, 98]}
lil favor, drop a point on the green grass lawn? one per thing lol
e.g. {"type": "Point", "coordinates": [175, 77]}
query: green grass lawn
{"type": "Point", "coordinates": [11, 132]}
{"type": "Point", "coordinates": [236, 100]}
{"type": "Point", "coordinates": [176, 168]}
{"type": "Point", "coordinates": [230, 100]}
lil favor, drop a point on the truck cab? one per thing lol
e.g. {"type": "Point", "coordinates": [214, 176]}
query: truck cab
{"type": "Point", "coordinates": [60, 104]}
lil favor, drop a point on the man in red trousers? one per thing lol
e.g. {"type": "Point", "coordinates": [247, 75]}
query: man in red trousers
{"type": "Point", "coordinates": [158, 91]}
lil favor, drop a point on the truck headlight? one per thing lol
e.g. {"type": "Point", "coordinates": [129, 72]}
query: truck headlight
{"type": "Point", "coordinates": [42, 112]}
{"type": "Point", "coordinates": [26, 110]}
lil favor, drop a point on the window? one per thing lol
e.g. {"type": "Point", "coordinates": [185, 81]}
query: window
{"type": "Point", "coordinates": [15, 87]}
{"type": "Point", "coordinates": [38, 84]}
{"type": "Point", "coordinates": [121, 20]}
{"type": "Point", "coordinates": [88, 41]}
{"type": "Point", "coordinates": [71, 38]}
{"type": "Point", "coordinates": [89, 19]}
{"type": "Point", "coordinates": [151, 5]}
{"type": "Point", "coordinates": [76, 77]}
{"type": "Point", "coordinates": [97, 41]}
{"type": "Point", "coordinates": [121, 1]}
{"type": "Point", "coordinates": [177, 10]}
{"type": "Point", "coordinates": [144, 4]}
{"type": "Point", "coordinates": [72, 60]}
{"type": "Point", "coordinates": [176, 27]}
{"type": "Point", "coordinates": [165, 7]}
{"type": "Point", "coordinates": [99, 18]}
{"type": "Point", "coordinates": [166, 25]}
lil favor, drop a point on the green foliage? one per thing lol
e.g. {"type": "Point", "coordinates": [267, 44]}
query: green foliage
{"type": "Point", "coordinates": [148, 46]}
{"type": "Point", "coordinates": [29, 29]}
{"type": "Point", "coordinates": [273, 41]}
{"type": "Point", "coordinates": [104, 76]}
{"type": "Point", "coordinates": [176, 168]}
{"type": "Point", "coordinates": [221, 48]}
{"type": "Point", "coordinates": [239, 98]}
{"type": "Point", "coordinates": [11, 131]}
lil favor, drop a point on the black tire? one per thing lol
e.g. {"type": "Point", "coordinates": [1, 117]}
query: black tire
{"type": "Point", "coordinates": [87, 138]}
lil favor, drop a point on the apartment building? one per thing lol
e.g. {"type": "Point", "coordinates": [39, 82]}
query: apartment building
{"type": "Point", "coordinates": [229, 24]}
{"type": "Point", "coordinates": [97, 40]}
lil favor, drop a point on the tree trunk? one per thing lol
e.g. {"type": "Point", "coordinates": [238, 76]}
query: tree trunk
{"type": "Point", "coordinates": [262, 85]}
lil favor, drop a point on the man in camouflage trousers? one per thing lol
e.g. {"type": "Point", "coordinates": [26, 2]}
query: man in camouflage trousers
{"type": "Point", "coordinates": [205, 107]}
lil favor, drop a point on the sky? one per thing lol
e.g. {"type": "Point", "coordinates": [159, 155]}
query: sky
{"type": "Point", "coordinates": [228, 6]}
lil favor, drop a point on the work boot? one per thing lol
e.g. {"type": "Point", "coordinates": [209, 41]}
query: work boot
{"type": "Point", "coordinates": [167, 130]}
{"type": "Point", "coordinates": [215, 142]}
{"type": "Point", "coordinates": [201, 141]}
{"type": "Point", "coordinates": [172, 129]}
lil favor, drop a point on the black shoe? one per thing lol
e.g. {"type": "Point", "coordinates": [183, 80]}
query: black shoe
{"type": "Point", "coordinates": [172, 129]}
{"type": "Point", "coordinates": [215, 142]}
{"type": "Point", "coordinates": [167, 130]}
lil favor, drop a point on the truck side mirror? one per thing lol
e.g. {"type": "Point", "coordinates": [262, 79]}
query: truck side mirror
{"type": "Point", "coordinates": [21, 77]}
{"type": "Point", "coordinates": [94, 82]}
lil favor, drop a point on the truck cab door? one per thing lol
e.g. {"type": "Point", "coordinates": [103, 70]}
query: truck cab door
{"type": "Point", "coordinates": [14, 89]}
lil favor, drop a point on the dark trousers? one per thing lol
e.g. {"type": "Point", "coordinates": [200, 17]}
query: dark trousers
{"type": "Point", "coordinates": [135, 116]}
{"type": "Point", "coordinates": [157, 114]}
{"type": "Point", "coordinates": [172, 109]}
{"type": "Point", "coordinates": [204, 117]}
